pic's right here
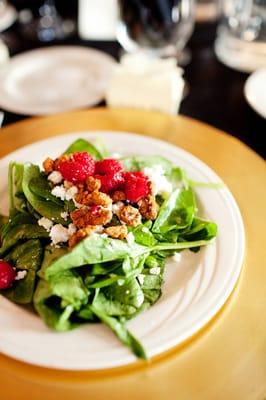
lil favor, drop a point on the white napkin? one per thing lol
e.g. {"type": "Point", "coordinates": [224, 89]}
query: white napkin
{"type": "Point", "coordinates": [149, 83]}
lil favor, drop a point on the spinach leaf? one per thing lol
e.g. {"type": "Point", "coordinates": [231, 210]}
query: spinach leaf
{"type": "Point", "coordinates": [26, 256]}
{"type": "Point", "coordinates": [177, 212]}
{"type": "Point", "coordinates": [95, 249]}
{"type": "Point", "coordinates": [200, 230]}
{"type": "Point", "coordinates": [17, 219]}
{"type": "Point", "coordinates": [113, 307]}
{"type": "Point", "coordinates": [129, 293]}
{"type": "Point", "coordinates": [51, 254]}
{"type": "Point", "coordinates": [46, 208]}
{"type": "Point", "coordinates": [137, 163]}
{"type": "Point", "coordinates": [19, 233]}
{"type": "Point", "coordinates": [121, 331]}
{"type": "Point", "coordinates": [3, 223]}
{"type": "Point", "coordinates": [143, 236]}
{"type": "Point", "coordinates": [15, 190]}
{"type": "Point", "coordinates": [40, 187]}
{"type": "Point", "coordinates": [84, 145]}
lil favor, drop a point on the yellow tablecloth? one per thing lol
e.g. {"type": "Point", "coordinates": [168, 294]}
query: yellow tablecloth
{"type": "Point", "coordinates": [227, 359]}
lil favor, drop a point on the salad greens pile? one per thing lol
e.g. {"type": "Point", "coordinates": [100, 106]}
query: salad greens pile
{"type": "Point", "coordinates": [100, 279]}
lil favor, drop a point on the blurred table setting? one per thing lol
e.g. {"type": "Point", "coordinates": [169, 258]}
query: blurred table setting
{"type": "Point", "coordinates": [216, 45]}
{"type": "Point", "coordinates": [191, 73]}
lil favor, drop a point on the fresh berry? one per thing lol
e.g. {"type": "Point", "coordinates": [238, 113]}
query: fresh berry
{"type": "Point", "coordinates": [95, 210]}
{"type": "Point", "coordinates": [7, 275]}
{"type": "Point", "coordinates": [136, 186]}
{"type": "Point", "coordinates": [111, 182]}
{"type": "Point", "coordinates": [77, 168]}
{"type": "Point", "coordinates": [108, 166]}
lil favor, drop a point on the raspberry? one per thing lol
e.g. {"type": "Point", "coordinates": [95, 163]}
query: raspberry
{"type": "Point", "coordinates": [136, 186]}
{"type": "Point", "coordinates": [78, 168]}
{"type": "Point", "coordinates": [111, 182]}
{"type": "Point", "coordinates": [108, 166]}
{"type": "Point", "coordinates": [7, 275]}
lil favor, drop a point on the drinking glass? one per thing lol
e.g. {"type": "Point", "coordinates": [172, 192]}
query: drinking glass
{"type": "Point", "coordinates": [161, 27]}
{"type": "Point", "coordinates": [241, 35]}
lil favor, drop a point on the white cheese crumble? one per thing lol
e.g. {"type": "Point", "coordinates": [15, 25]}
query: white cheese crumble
{"type": "Point", "coordinates": [45, 223]}
{"type": "Point", "coordinates": [116, 155]}
{"type": "Point", "coordinates": [104, 235]}
{"type": "Point", "coordinates": [64, 215]}
{"type": "Point", "coordinates": [155, 271]}
{"type": "Point", "coordinates": [120, 282]}
{"type": "Point", "coordinates": [64, 194]}
{"type": "Point", "coordinates": [176, 257]}
{"type": "Point", "coordinates": [141, 278]}
{"type": "Point", "coordinates": [127, 291]}
{"type": "Point", "coordinates": [20, 275]}
{"type": "Point", "coordinates": [59, 234]}
{"type": "Point", "coordinates": [156, 173]}
{"type": "Point", "coordinates": [55, 177]}
{"type": "Point", "coordinates": [71, 229]}
{"type": "Point", "coordinates": [130, 238]}
{"type": "Point", "coordinates": [116, 207]}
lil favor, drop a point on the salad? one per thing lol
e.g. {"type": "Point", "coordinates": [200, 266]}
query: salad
{"type": "Point", "coordinates": [88, 236]}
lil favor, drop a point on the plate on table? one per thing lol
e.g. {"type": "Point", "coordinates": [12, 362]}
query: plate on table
{"type": "Point", "coordinates": [54, 79]}
{"type": "Point", "coordinates": [255, 91]}
{"type": "Point", "coordinates": [195, 288]}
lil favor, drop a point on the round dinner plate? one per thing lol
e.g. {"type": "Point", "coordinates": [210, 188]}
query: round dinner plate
{"type": "Point", "coordinates": [255, 91]}
{"type": "Point", "coordinates": [54, 79]}
{"type": "Point", "coordinates": [195, 288]}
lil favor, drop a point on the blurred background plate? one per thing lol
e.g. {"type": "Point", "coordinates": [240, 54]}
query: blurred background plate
{"type": "Point", "coordinates": [255, 91]}
{"type": "Point", "coordinates": [52, 80]}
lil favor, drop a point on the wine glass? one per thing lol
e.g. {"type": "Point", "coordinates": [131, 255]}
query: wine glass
{"type": "Point", "coordinates": [160, 27]}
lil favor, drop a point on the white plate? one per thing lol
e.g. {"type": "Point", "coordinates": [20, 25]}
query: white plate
{"type": "Point", "coordinates": [255, 91]}
{"type": "Point", "coordinates": [194, 290]}
{"type": "Point", "coordinates": [54, 79]}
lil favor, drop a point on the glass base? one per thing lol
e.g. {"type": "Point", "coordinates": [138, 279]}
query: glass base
{"type": "Point", "coordinates": [239, 54]}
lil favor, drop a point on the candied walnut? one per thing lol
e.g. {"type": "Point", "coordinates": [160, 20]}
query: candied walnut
{"type": "Point", "coordinates": [48, 165]}
{"type": "Point", "coordinates": [81, 234]}
{"type": "Point", "coordinates": [94, 198]}
{"type": "Point", "coordinates": [151, 188]}
{"type": "Point", "coordinates": [93, 184]}
{"type": "Point", "coordinates": [118, 195]}
{"type": "Point", "coordinates": [95, 215]}
{"type": "Point", "coordinates": [60, 159]}
{"type": "Point", "coordinates": [117, 232]}
{"type": "Point", "coordinates": [148, 207]}
{"type": "Point", "coordinates": [129, 215]}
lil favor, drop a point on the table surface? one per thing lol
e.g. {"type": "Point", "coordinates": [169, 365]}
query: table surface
{"type": "Point", "coordinates": [226, 360]}
{"type": "Point", "coordinates": [215, 91]}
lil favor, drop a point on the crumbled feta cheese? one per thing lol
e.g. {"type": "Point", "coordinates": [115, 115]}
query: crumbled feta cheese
{"type": "Point", "coordinates": [21, 275]}
{"type": "Point", "coordinates": [130, 238]}
{"type": "Point", "coordinates": [141, 278]}
{"type": "Point", "coordinates": [71, 229]}
{"type": "Point", "coordinates": [45, 223]}
{"type": "Point", "coordinates": [127, 291]}
{"type": "Point", "coordinates": [71, 193]}
{"type": "Point", "coordinates": [176, 257]}
{"type": "Point", "coordinates": [99, 229]}
{"type": "Point", "coordinates": [116, 155]}
{"type": "Point", "coordinates": [59, 191]}
{"type": "Point", "coordinates": [145, 229]}
{"type": "Point", "coordinates": [59, 234]}
{"type": "Point", "coordinates": [156, 174]}
{"type": "Point", "coordinates": [116, 207]}
{"type": "Point", "coordinates": [55, 177]}
{"type": "Point", "coordinates": [104, 235]}
{"type": "Point", "coordinates": [64, 215]}
{"type": "Point", "coordinates": [121, 282]}
{"type": "Point", "coordinates": [64, 194]}
{"type": "Point", "coordinates": [155, 271]}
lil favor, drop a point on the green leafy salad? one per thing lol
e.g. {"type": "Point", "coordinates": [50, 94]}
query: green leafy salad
{"type": "Point", "coordinates": [88, 236]}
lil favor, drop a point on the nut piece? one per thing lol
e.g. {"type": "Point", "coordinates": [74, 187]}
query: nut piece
{"type": "Point", "coordinates": [48, 165]}
{"type": "Point", "coordinates": [93, 184]}
{"type": "Point", "coordinates": [96, 215]}
{"type": "Point", "coordinates": [94, 198]}
{"type": "Point", "coordinates": [118, 195]}
{"type": "Point", "coordinates": [148, 207]}
{"type": "Point", "coordinates": [129, 215]}
{"type": "Point", "coordinates": [81, 234]}
{"type": "Point", "coordinates": [117, 232]}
